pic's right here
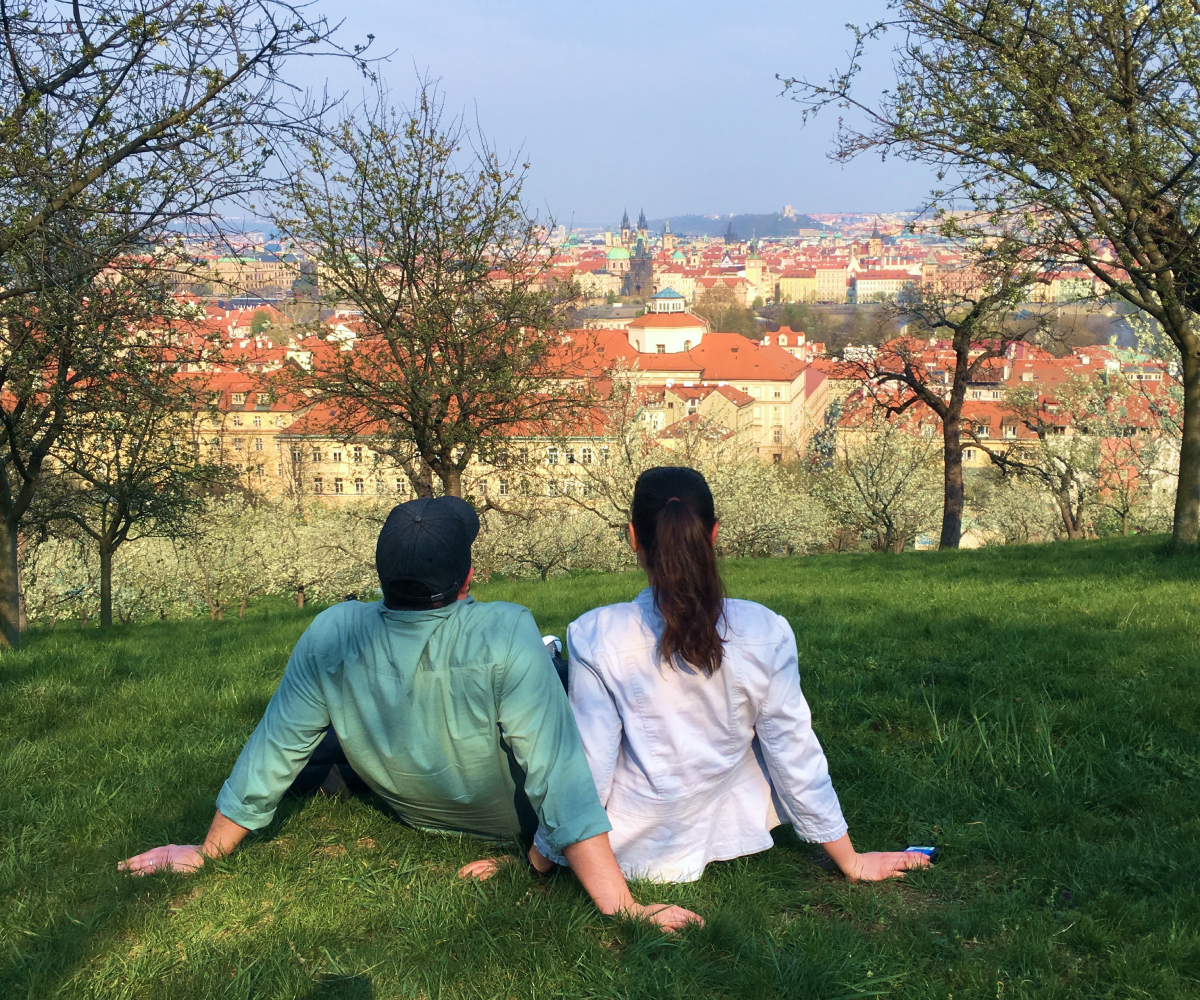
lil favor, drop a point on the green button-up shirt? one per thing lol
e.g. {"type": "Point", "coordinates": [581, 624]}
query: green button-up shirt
{"type": "Point", "coordinates": [423, 703]}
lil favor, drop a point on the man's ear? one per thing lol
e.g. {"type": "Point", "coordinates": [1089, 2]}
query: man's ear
{"type": "Point", "coordinates": [465, 589]}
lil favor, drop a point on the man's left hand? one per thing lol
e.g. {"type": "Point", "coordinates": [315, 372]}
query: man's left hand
{"type": "Point", "coordinates": [181, 857]}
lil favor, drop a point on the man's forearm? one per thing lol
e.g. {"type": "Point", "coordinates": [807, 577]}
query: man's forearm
{"type": "Point", "coordinates": [223, 836]}
{"type": "Point", "coordinates": [595, 865]}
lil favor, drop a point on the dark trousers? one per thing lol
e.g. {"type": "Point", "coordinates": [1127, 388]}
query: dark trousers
{"type": "Point", "coordinates": [327, 771]}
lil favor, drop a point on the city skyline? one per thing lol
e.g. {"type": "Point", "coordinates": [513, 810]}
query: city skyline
{"type": "Point", "coordinates": [674, 110]}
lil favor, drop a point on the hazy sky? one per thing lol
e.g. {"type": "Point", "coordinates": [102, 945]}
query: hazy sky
{"type": "Point", "coordinates": [663, 104]}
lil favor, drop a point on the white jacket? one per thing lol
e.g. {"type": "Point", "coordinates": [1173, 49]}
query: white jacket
{"type": "Point", "coordinates": [694, 769]}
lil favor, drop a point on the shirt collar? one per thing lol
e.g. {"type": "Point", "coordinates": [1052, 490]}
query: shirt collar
{"type": "Point", "coordinates": [430, 614]}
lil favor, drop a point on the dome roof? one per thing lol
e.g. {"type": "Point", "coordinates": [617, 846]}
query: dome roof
{"type": "Point", "coordinates": [677, 255]}
{"type": "Point", "coordinates": [617, 253]}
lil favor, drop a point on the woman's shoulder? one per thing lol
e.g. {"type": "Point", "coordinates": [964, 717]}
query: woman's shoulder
{"type": "Point", "coordinates": [754, 622]}
{"type": "Point", "coordinates": [611, 627]}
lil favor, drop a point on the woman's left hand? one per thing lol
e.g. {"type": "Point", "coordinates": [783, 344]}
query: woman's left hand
{"type": "Point", "coordinates": [877, 865]}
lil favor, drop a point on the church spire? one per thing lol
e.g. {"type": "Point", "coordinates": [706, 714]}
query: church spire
{"type": "Point", "coordinates": [642, 220]}
{"type": "Point", "coordinates": [625, 220]}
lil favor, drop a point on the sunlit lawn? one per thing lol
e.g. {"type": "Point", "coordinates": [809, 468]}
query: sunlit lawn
{"type": "Point", "coordinates": [1034, 711]}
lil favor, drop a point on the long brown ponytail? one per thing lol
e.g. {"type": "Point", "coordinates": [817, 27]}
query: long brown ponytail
{"type": "Point", "coordinates": [673, 516]}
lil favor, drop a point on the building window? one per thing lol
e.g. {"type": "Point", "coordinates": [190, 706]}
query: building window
{"type": "Point", "coordinates": [337, 485]}
{"type": "Point", "coordinates": [279, 421]}
{"type": "Point", "coordinates": [687, 345]}
{"type": "Point", "coordinates": [379, 487]}
{"type": "Point", "coordinates": [357, 453]}
{"type": "Point", "coordinates": [258, 444]}
{"type": "Point", "coordinates": [1009, 430]}
{"type": "Point", "coordinates": [522, 456]}
{"type": "Point", "coordinates": [604, 454]}
{"type": "Point", "coordinates": [777, 436]}
{"type": "Point", "coordinates": [969, 455]}
{"type": "Point", "coordinates": [236, 421]}
{"type": "Point", "coordinates": [585, 456]}
{"type": "Point", "coordinates": [296, 455]}
{"type": "Point", "coordinates": [401, 486]}
{"type": "Point", "coordinates": [279, 468]}
{"type": "Point", "coordinates": [660, 348]}
{"type": "Point", "coordinates": [215, 443]}
{"type": "Point", "coordinates": [551, 487]}
{"type": "Point", "coordinates": [318, 485]}
{"type": "Point", "coordinates": [927, 430]}
{"type": "Point", "coordinates": [260, 469]}
{"type": "Point", "coordinates": [359, 486]}
{"type": "Point", "coordinates": [504, 487]}
{"type": "Point", "coordinates": [777, 458]}
{"type": "Point", "coordinates": [316, 455]}
{"type": "Point", "coordinates": [552, 456]}
{"type": "Point", "coordinates": [778, 394]}
{"type": "Point", "coordinates": [239, 399]}
{"type": "Point", "coordinates": [337, 455]}
{"type": "Point", "coordinates": [237, 443]}
{"type": "Point", "coordinates": [570, 456]}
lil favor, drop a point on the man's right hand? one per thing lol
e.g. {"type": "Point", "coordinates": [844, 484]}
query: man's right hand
{"type": "Point", "coordinates": [181, 857]}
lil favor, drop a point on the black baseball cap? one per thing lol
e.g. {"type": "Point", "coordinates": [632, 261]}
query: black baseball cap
{"type": "Point", "coordinates": [424, 551]}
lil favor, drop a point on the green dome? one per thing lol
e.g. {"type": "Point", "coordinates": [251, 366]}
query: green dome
{"type": "Point", "coordinates": [677, 255]}
{"type": "Point", "coordinates": [617, 253]}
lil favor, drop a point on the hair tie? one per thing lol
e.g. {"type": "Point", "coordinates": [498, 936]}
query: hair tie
{"type": "Point", "coordinates": [676, 499]}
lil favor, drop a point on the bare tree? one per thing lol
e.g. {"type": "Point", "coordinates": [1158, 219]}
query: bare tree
{"type": "Point", "coordinates": [1083, 120]}
{"type": "Point", "coordinates": [418, 223]}
{"type": "Point", "coordinates": [122, 122]}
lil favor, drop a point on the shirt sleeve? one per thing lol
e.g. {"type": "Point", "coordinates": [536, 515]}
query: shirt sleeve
{"type": "Point", "coordinates": [599, 725]}
{"type": "Point", "coordinates": [281, 744]}
{"type": "Point", "coordinates": [536, 720]}
{"type": "Point", "coordinates": [795, 760]}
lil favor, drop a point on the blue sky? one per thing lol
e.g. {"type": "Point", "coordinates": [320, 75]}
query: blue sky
{"type": "Point", "coordinates": [660, 104]}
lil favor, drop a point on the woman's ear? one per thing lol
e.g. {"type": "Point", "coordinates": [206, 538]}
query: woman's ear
{"type": "Point", "coordinates": [633, 537]}
{"type": "Point", "coordinates": [716, 528]}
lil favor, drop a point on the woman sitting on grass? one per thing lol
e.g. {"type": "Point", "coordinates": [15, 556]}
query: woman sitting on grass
{"type": "Point", "coordinates": [697, 733]}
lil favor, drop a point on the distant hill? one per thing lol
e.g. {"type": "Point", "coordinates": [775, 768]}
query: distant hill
{"type": "Point", "coordinates": [745, 226]}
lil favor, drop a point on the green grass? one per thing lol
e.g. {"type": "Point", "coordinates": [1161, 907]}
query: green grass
{"type": "Point", "coordinates": [1033, 710]}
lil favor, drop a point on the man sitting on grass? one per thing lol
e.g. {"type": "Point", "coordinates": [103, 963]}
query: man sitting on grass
{"type": "Point", "coordinates": [448, 709]}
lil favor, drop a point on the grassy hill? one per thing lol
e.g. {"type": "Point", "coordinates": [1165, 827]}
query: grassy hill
{"type": "Point", "coordinates": [1035, 711]}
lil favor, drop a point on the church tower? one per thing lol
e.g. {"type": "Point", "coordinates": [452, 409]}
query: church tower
{"type": "Point", "coordinates": [668, 237]}
{"type": "Point", "coordinates": [643, 233]}
{"type": "Point", "coordinates": [875, 244]}
{"type": "Point", "coordinates": [625, 230]}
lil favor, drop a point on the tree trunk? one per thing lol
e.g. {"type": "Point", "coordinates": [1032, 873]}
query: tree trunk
{"type": "Point", "coordinates": [300, 596]}
{"type": "Point", "coordinates": [10, 596]}
{"type": "Point", "coordinates": [1187, 498]}
{"type": "Point", "coordinates": [242, 609]}
{"type": "Point", "coordinates": [105, 585]}
{"type": "Point", "coordinates": [451, 482]}
{"type": "Point", "coordinates": [1125, 523]}
{"type": "Point", "coordinates": [952, 492]}
{"type": "Point", "coordinates": [1070, 524]}
{"type": "Point", "coordinates": [423, 485]}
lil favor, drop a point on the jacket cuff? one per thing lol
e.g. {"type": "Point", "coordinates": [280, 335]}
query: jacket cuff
{"type": "Point", "coordinates": [821, 834]}
{"type": "Point", "coordinates": [543, 846]}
